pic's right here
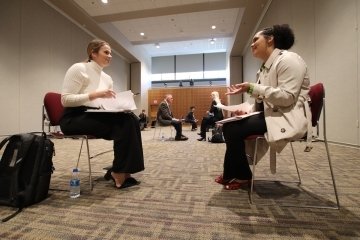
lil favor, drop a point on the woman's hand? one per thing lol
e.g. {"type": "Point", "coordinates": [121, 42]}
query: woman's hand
{"type": "Point", "coordinates": [239, 112]}
{"type": "Point", "coordinates": [102, 94]}
{"type": "Point", "coordinates": [238, 88]}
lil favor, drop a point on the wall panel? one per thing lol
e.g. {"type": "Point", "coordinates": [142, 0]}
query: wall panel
{"type": "Point", "coordinates": [326, 36]}
{"type": "Point", "coordinates": [336, 67]}
{"type": "Point", "coordinates": [40, 45]}
{"type": "Point", "coordinates": [9, 70]}
{"type": "Point", "coordinates": [184, 98]}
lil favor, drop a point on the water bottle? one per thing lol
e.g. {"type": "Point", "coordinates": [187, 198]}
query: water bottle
{"type": "Point", "coordinates": [75, 184]}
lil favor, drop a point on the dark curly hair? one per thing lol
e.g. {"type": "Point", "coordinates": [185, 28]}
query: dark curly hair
{"type": "Point", "coordinates": [284, 37]}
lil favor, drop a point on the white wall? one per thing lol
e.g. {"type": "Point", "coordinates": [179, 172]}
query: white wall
{"type": "Point", "coordinates": [145, 84]}
{"type": "Point", "coordinates": [327, 38]}
{"type": "Point", "coordinates": [38, 45]}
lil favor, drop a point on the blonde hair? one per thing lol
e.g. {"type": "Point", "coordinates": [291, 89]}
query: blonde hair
{"type": "Point", "coordinates": [94, 47]}
{"type": "Point", "coordinates": [215, 97]}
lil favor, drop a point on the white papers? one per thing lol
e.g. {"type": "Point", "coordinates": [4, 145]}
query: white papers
{"type": "Point", "coordinates": [123, 101]}
{"type": "Point", "coordinates": [244, 107]}
{"type": "Point", "coordinates": [237, 118]}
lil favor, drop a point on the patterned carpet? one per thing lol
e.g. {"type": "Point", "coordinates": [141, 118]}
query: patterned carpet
{"type": "Point", "coordinates": [178, 198]}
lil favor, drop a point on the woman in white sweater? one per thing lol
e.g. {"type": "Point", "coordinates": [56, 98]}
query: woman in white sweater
{"type": "Point", "coordinates": [86, 82]}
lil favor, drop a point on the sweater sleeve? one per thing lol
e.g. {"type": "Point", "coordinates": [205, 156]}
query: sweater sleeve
{"type": "Point", "coordinates": [75, 81]}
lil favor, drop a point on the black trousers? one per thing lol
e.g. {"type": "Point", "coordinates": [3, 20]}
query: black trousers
{"type": "Point", "coordinates": [235, 161]}
{"type": "Point", "coordinates": [178, 127]}
{"type": "Point", "coordinates": [206, 122]}
{"type": "Point", "coordinates": [143, 124]}
{"type": "Point", "coordinates": [193, 123]}
{"type": "Point", "coordinates": [122, 128]}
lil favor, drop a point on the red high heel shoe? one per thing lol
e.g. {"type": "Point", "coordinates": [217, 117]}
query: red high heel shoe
{"type": "Point", "coordinates": [221, 180]}
{"type": "Point", "coordinates": [234, 184]}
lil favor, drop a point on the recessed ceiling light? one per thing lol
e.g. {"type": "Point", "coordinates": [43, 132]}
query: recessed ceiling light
{"type": "Point", "coordinates": [213, 27]}
{"type": "Point", "coordinates": [142, 34]}
{"type": "Point", "coordinates": [104, 1]}
{"type": "Point", "coordinates": [212, 40]}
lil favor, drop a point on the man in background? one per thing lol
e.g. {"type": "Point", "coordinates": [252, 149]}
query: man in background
{"type": "Point", "coordinates": [190, 118]}
{"type": "Point", "coordinates": [165, 117]}
{"type": "Point", "coordinates": [143, 120]}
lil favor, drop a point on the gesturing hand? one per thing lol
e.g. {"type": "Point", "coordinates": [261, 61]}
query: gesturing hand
{"type": "Point", "coordinates": [239, 112]}
{"type": "Point", "coordinates": [238, 88]}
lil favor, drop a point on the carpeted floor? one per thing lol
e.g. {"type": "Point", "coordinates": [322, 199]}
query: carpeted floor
{"type": "Point", "coordinates": [178, 198]}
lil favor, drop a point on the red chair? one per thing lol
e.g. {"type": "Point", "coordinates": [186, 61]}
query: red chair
{"type": "Point", "coordinates": [317, 104]}
{"type": "Point", "coordinates": [54, 110]}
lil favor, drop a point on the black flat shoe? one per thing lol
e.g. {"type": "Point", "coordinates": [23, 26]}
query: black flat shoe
{"type": "Point", "coordinates": [129, 182]}
{"type": "Point", "coordinates": [201, 139]}
{"type": "Point", "coordinates": [181, 138]}
{"type": "Point", "coordinates": [108, 176]}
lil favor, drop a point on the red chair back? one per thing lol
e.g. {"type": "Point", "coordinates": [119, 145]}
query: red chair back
{"type": "Point", "coordinates": [317, 94]}
{"type": "Point", "coordinates": [53, 107]}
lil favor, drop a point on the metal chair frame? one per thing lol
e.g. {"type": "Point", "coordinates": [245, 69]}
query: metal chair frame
{"type": "Point", "coordinates": [82, 137]}
{"type": "Point", "coordinates": [259, 137]}
{"type": "Point", "coordinates": [160, 127]}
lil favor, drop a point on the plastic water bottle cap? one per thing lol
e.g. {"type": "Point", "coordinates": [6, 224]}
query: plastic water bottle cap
{"type": "Point", "coordinates": [75, 170]}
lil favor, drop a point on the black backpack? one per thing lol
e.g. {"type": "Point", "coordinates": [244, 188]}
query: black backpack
{"type": "Point", "coordinates": [25, 170]}
{"type": "Point", "coordinates": [217, 136]}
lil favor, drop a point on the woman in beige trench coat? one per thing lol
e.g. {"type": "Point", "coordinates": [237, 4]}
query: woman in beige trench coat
{"type": "Point", "coordinates": [280, 93]}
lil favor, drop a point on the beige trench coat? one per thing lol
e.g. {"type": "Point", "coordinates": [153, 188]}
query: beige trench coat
{"type": "Point", "coordinates": [283, 86]}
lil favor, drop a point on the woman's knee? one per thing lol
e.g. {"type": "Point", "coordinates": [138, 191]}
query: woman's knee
{"type": "Point", "coordinates": [232, 131]}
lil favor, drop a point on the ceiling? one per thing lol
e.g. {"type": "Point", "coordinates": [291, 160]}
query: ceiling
{"type": "Point", "coordinates": [176, 26]}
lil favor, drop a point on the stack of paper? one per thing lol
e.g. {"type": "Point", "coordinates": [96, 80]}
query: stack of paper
{"type": "Point", "coordinates": [236, 118]}
{"type": "Point", "coordinates": [244, 107]}
{"type": "Point", "coordinates": [123, 101]}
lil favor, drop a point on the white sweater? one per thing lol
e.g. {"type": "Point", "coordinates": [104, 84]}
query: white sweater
{"type": "Point", "coordinates": [82, 79]}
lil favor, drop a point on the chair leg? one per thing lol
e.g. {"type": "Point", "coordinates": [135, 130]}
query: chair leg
{"type": "Point", "coordinates": [88, 157]}
{"type": "Point", "coordinates": [99, 154]}
{"type": "Point", "coordinates": [253, 172]}
{"type": "Point", "coordinates": [82, 142]}
{"type": "Point", "coordinates": [332, 174]}
{"type": "Point", "coordinates": [297, 168]}
{"type": "Point", "coordinates": [159, 131]}
{"type": "Point", "coordinates": [89, 163]}
{"type": "Point", "coordinates": [154, 132]}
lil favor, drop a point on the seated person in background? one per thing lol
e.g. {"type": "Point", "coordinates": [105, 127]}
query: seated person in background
{"type": "Point", "coordinates": [190, 118]}
{"type": "Point", "coordinates": [143, 120]}
{"type": "Point", "coordinates": [85, 83]}
{"type": "Point", "coordinates": [213, 115]}
{"type": "Point", "coordinates": [165, 117]}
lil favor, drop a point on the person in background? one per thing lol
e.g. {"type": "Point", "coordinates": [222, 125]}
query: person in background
{"type": "Point", "coordinates": [213, 115]}
{"type": "Point", "coordinates": [85, 84]}
{"type": "Point", "coordinates": [190, 118]}
{"type": "Point", "coordinates": [280, 93]}
{"type": "Point", "coordinates": [143, 120]}
{"type": "Point", "coordinates": [165, 117]}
